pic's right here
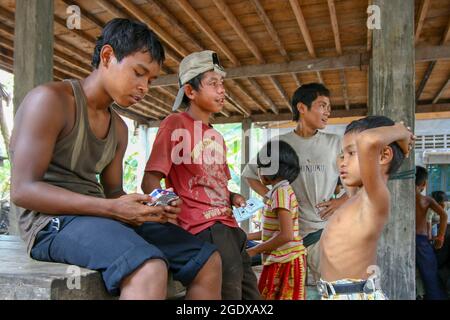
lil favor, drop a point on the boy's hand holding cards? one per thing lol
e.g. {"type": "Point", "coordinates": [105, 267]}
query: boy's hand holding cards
{"type": "Point", "coordinates": [244, 213]}
{"type": "Point", "coordinates": [162, 197]}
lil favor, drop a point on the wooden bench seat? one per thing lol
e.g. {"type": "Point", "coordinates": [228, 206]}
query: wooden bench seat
{"type": "Point", "coordinates": [26, 279]}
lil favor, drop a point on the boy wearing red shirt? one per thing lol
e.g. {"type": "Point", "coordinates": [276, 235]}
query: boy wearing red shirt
{"type": "Point", "coordinates": [191, 156]}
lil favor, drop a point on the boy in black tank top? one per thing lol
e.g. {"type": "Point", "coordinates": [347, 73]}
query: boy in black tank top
{"type": "Point", "coordinates": [65, 215]}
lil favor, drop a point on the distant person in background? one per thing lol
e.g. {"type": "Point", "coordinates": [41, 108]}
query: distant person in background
{"type": "Point", "coordinates": [443, 254]}
{"type": "Point", "coordinates": [425, 257]}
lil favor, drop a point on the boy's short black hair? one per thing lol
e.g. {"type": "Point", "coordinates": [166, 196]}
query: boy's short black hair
{"type": "Point", "coordinates": [306, 94]}
{"type": "Point", "coordinates": [371, 122]}
{"type": "Point", "coordinates": [421, 175]}
{"type": "Point", "coordinates": [127, 37]}
{"type": "Point", "coordinates": [195, 83]}
{"type": "Point", "coordinates": [288, 163]}
{"type": "Point", "coordinates": [439, 196]}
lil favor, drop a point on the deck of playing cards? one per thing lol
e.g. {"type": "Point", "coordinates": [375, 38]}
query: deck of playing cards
{"type": "Point", "coordinates": [162, 197]}
{"type": "Point", "coordinates": [244, 213]}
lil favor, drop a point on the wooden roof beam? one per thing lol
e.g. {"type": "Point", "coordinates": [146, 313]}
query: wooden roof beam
{"type": "Point", "coordinates": [347, 61]}
{"type": "Point", "coordinates": [159, 9]}
{"type": "Point", "coordinates": [59, 42]}
{"type": "Point", "coordinates": [424, 80]}
{"type": "Point", "coordinates": [237, 105]}
{"type": "Point", "coordinates": [112, 9]}
{"type": "Point", "coordinates": [296, 78]}
{"type": "Point", "coordinates": [154, 106]}
{"type": "Point", "coordinates": [270, 28]}
{"type": "Point", "coordinates": [303, 27]}
{"type": "Point", "coordinates": [305, 32]}
{"type": "Point", "coordinates": [58, 55]}
{"type": "Point", "coordinates": [235, 24]}
{"type": "Point", "coordinates": [422, 14]}
{"type": "Point", "coordinates": [6, 67]}
{"type": "Point", "coordinates": [446, 36]}
{"type": "Point", "coordinates": [242, 90]}
{"type": "Point", "coordinates": [8, 52]}
{"type": "Point", "coordinates": [281, 91]}
{"type": "Point", "coordinates": [169, 91]}
{"type": "Point", "coordinates": [203, 25]}
{"type": "Point", "coordinates": [263, 95]}
{"type": "Point", "coordinates": [338, 113]}
{"type": "Point", "coordinates": [337, 41]}
{"type": "Point", "coordinates": [276, 39]}
{"type": "Point", "coordinates": [430, 68]}
{"type": "Point", "coordinates": [441, 91]}
{"type": "Point", "coordinates": [273, 34]}
{"type": "Point", "coordinates": [160, 97]}
{"type": "Point", "coordinates": [7, 64]}
{"type": "Point", "coordinates": [334, 26]}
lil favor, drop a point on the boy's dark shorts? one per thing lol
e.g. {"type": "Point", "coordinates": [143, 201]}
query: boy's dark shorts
{"type": "Point", "coordinates": [116, 249]}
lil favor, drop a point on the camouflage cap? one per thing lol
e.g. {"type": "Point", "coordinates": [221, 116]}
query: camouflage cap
{"type": "Point", "coordinates": [191, 66]}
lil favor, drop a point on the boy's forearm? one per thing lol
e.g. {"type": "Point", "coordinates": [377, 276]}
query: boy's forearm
{"type": "Point", "coordinates": [151, 181]}
{"type": "Point", "coordinates": [43, 197]}
{"type": "Point", "coordinates": [271, 244]}
{"type": "Point", "coordinates": [254, 235]}
{"type": "Point", "coordinates": [442, 225]}
{"type": "Point", "coordinates": [381, 136]}
{"type": "Point", "coordinates": [257, 186]}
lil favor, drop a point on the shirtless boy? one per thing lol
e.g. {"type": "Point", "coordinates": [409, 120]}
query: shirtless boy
{"type": "Point", "coordinates": [425, 257]}
{"type": "Point", "coordinates": [373, 148]}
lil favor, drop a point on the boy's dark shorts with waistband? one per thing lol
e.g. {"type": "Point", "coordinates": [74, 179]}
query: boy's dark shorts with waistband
{"type": "Point", "coordinates": [116, 249]}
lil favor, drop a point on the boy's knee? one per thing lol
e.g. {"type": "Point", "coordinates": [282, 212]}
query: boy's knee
{"type": "Point", "coordinates": [154, 269]}
{"type": "Point", "coordinates": [214, 262]}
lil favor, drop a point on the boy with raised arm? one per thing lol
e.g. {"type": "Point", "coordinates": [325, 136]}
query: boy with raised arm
{"type": "Point", "coordinates": [373, 148]}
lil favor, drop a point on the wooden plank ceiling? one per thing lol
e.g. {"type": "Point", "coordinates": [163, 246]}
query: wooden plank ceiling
{"type": "Point", "coordinates": [269, 47]}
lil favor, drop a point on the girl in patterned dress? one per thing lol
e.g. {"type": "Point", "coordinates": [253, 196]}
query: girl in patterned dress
{"type": "Point", "coordinates": [283, 253]}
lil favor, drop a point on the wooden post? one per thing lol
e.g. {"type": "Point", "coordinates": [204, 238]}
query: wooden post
{"type": "Point", "coordinates": [33, 55]}
{"type": "Point", "coordinates": [245, 158]}
{"type": "Point", "coordinates": [33, 46]}
{"type": "Point", "coordinates": [392, 95]}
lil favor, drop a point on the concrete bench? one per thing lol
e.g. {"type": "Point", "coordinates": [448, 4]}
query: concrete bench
{"type": "Point", "coordinates": [23, 278]}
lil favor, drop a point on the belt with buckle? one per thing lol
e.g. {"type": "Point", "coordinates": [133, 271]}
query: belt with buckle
{"type": "Point", "coordinates": [328, 289]}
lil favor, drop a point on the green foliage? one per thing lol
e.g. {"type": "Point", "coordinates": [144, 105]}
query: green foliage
{"type": "Point", "coordinates": [130, 173]}
{"type": "Point", "coordinates": [233, 136]}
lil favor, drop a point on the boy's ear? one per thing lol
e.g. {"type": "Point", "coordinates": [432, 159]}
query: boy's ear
{"type": "Point", "coordinates": [189, 91]}
{"type": "Point", "coordinates": [386, 155]}
{"type": "Point", "coordinates": [302, 108]}
{"type": "Point", "coordinates": [107, 55]}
